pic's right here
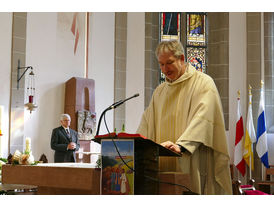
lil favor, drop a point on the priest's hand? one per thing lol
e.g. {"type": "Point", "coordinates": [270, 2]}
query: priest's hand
{"type": "Point", "coordinates": [170, 145]}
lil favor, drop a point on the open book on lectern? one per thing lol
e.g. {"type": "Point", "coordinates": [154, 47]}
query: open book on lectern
{"type": "Point", "coordinates": [138, 137]}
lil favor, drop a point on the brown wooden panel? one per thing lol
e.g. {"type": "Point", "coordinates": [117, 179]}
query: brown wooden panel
{"type": "Point", "coordinates": [79, 95]}
{"type": "Point", "coordinates": [173, 177]}
{"type": "Point", "coordinates": [54, 177]}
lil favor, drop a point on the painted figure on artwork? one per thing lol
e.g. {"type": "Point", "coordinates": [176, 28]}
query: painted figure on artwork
{"type": "Point", "coordinates": [199, 67]}
{"type": "Point", "coordinates": [117, 180]}
{"type": "Point", "coordinates": [195, 24]}
{"type": "Point", "coordinates": [124, 183]}
{"type": "Point", "coordinates": [107, 179]}
{"type": "Point", "coordinates": [113, 175]}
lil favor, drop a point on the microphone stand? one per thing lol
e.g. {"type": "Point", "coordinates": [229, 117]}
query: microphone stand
{"type": "Point", "coordinates": [99, 123]}
{"type": "Point", "coordinates": [113, 106]}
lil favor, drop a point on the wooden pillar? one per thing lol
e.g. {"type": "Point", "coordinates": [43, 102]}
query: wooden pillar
{"type": "Point", "coordinates": [79, 96]}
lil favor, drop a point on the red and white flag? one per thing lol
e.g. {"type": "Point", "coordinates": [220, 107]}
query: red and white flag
{"type": "Point", "coordinates": [239, 161]}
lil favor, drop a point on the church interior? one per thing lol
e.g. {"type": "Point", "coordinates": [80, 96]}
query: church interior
{"type": "Point", "coordinates": [80, 63]}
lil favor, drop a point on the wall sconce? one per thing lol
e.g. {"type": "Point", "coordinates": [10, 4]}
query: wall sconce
{"type": "Point", "coordinates": [30, 86]}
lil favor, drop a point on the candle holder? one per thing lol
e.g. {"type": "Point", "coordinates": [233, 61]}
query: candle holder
{"type": "Point", "coordinates": [30, 86]}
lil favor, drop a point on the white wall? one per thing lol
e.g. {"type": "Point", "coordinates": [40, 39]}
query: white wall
{"type": "Point", "coordinates": [135, 75]}
{"type": "Point", "coordinates": [5, 77]}
{"type": "Point", "coordinates": [237, 72]}
{"type": "Point", "coordinates": [50, 52]}
{"type": "Point", "coordinates": [101, 68]}
{"type": "Point", "coordinates": [101, 63]}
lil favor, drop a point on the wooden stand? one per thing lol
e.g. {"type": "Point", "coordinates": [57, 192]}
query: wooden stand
{"type": "Point", "coordinates": [146, 158]}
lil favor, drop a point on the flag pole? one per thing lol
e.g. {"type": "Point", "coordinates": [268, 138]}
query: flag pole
{"type": "Point", "coordinates": [250, 161]}
{"type": "Point", "coordinates": [262, 65]}
{"type": "Point", "coordinates": [238, 175]}
{"type": "Point", "coordinates": [262, 169]}
{"type": "Point", "coordinates": [239, 160]}
{"type": "Point", "coordinates": [262, 165]}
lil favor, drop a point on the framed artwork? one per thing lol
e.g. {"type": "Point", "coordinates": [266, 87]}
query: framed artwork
{"type": "Point", "coordinates": [116, 177]}
{"type": "Point", "coordinates": [86, 124]}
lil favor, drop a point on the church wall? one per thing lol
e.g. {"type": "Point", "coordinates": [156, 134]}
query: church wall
{"type": "Point", "coordinates": [135, 75]}
{"type": "Point", "coordinates": [268, 21]}
{"type": "Point", "coordinates": [101, 67]}
{"type": "Point", "coordinates": [152, 70]}
{"type": "Point", "coordinates": [50, 50]}
{"type": "Point", "coordinates": [237, 73]}
{"type": "Point", "coordinates": [101, 63]}
{"type": "Point", "coordinates": [120, 67]}
{"type": "Point", "coordinates": [5, 77]}
{"type": "Point", "coordinates": [218, 57]}
{"type": "Point", "coordinates": [18, 52]}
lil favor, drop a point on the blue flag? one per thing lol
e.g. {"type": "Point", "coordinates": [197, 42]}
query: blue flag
{"type": "Point", "coordinates": [261, 146]}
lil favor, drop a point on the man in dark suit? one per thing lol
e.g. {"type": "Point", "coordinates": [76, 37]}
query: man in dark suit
{"type": "Point", "coordinates": [64, 141]}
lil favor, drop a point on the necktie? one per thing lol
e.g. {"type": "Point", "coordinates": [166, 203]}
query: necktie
{"type": "Point", "coordinates": [67, 131]}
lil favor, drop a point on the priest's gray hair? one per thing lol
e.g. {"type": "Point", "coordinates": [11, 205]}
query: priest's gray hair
{"type": "Point", "coordinates": [65, 116]}
{"type": "Point", "coordinates": [173, 46]}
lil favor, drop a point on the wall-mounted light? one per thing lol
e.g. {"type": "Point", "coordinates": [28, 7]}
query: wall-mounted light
{"type": "Point", "coordinates": [30, 86]}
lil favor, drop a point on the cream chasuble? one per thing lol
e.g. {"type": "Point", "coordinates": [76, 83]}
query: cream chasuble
{"type": "Point", "coordinates": [188, 112]}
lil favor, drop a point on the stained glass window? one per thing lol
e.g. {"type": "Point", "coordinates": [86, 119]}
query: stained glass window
{"type": "Point", "coordinates": [170, 26]}
{"type": "Point", "coordinates": [196, 40]}
{"type": "Point", "coordinates": [170, 30]}
{"type": "Point", "coordinates": [197, 57]}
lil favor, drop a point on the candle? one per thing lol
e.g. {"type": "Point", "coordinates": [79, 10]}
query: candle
{"type": "Point", "coordinates": [28, 144]}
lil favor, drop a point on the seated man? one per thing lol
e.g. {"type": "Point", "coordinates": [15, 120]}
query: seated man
{"type": "Point", "coordinates": [64, 141]}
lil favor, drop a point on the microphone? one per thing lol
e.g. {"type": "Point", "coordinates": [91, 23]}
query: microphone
{"type": "Point", "coordinates": [113, 106]}
{"type": "Point", "coordinates": [117, 104]}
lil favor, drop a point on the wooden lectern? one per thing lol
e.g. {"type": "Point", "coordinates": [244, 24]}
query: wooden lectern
{"type": "Point", "coordinates": [130, 164]}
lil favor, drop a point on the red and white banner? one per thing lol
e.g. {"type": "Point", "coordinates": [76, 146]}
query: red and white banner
{"type": "Point", "coordinates": [239, 161]}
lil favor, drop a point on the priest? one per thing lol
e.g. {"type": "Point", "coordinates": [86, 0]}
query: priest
{"type": "Point", "coordinates": [185, 115]}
